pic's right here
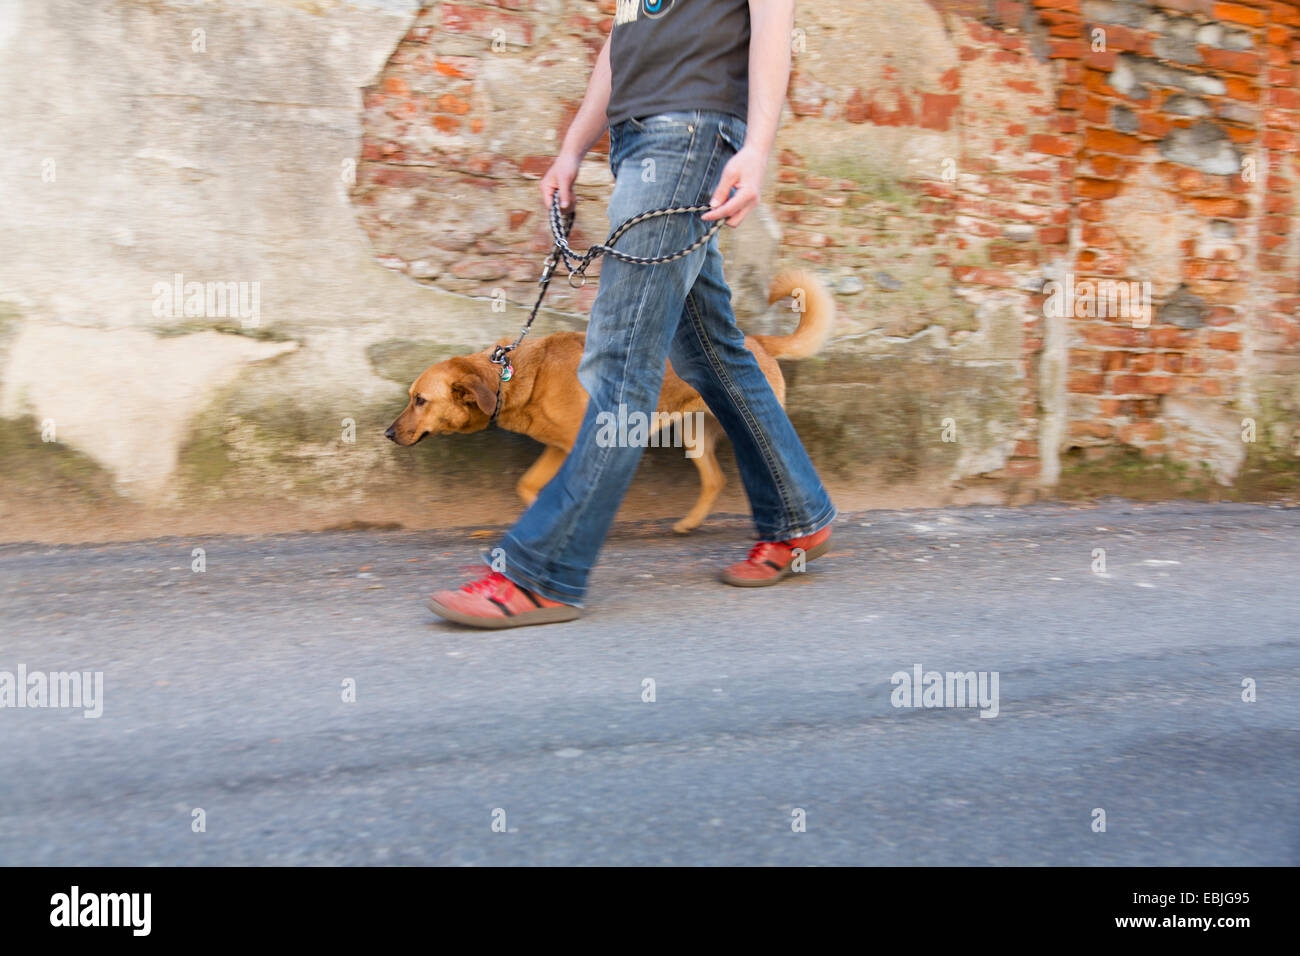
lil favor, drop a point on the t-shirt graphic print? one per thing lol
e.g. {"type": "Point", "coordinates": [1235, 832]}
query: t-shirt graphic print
{"type": "Point", "coordinates": [679, 55]}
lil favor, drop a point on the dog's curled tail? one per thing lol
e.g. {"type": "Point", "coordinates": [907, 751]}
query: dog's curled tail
{"type": "Point", "coordinates": [816, 317]}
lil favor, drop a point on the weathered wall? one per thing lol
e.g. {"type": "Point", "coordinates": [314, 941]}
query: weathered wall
{"type": "Point", "coordinates": [135, 149]}
{"type": "Point", "coordinates": [371, 165]}
{"type": "Point", "coordinates": [940, 163]}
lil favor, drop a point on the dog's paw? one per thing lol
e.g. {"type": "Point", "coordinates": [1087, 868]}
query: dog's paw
{"type": "Point", "coordinates": [685, 527]}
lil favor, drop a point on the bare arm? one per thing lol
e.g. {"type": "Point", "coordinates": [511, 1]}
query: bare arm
{"type": "Point", "coordinates": [770, 24]}
{"type": "Point", "coordinates": [587, 127]}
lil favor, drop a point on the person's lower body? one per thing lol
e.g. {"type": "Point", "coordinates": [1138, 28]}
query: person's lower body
{"type": "Point", "coordinates": [642, 315]}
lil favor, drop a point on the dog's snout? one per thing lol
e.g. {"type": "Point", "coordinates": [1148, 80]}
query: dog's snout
{"type": "Point", "coordinates": [391, 435]}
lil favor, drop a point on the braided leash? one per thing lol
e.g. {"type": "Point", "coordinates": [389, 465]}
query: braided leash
{"type": "Point", "coordinates": [561, 232]}
{"type": "Point", "coordinates": [576, 264]}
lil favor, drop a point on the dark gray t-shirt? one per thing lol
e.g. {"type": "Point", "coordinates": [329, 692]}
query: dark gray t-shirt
{"type": "Point", "coordinates": [679, 55]}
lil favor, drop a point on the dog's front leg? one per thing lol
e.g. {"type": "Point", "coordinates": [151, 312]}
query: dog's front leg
{"type": "Point", "coordinates": [712, 478]}
{"type": "Point", "coordinates": [539, 473]}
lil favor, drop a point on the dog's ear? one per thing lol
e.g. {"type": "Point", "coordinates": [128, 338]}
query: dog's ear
{"type": "Point", "coordinates": [474, 391]}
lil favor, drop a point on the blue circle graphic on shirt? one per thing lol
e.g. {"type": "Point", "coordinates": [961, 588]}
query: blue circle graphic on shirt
{"type": "Point", "coordinates": [656, 8]}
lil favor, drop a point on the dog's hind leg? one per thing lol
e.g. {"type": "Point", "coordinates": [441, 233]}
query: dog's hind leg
{"type": "Point", "coordinates": [539, 473]}
{"type": "Point", "coordinates": [712, 479]}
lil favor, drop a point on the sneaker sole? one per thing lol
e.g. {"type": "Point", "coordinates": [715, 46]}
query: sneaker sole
{"type": "Point", "coordinates": [816, 551]}
{"type": "Point", "coordinates": [542, 615]}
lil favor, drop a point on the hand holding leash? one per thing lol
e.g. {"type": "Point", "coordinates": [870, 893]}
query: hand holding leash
{"type": "Point", "coordinates": [561, 226]}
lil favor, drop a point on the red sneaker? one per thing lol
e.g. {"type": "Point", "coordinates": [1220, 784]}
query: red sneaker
{"type": "Point", "coordinates": [770, 561]}
{"type": "Point", "coordinates": [495, 601]}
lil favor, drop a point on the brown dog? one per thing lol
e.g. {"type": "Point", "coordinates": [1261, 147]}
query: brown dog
{"type": "Point", "coordinates": [545, 401]}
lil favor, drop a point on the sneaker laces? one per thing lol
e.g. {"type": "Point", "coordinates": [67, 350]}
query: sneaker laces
{"type": "Point", "coordinates": [489, 584]}
{"type": "Point", "coordinates": [759, 552]}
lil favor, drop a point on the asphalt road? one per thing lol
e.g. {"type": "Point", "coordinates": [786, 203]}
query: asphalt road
{"type": "Point", "coordinates": [1119, 691]}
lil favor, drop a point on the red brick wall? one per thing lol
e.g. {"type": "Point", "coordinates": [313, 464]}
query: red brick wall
{"type": "Point", "coordinates": [1162, 149]}
{"type": "Point", "coordinates": [432, 152]}
{"type": "Point", "coordinates": [1124, 108]}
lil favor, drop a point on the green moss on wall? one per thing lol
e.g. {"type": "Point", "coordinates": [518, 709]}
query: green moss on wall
{"type": "Point", "coordinates": [1127, 473]}
{"type": "Point", "coordinates": [48, 468]}
{"type": "Point", "coordinates": [885, 415]}
{"type": "Point", "coordinates": [402, 360]}
{"type": "Point", "coordinates": [260, 333]}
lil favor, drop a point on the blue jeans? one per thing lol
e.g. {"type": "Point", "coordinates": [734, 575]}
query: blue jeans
{"type": "Point", "coordinates": [642, 316]}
